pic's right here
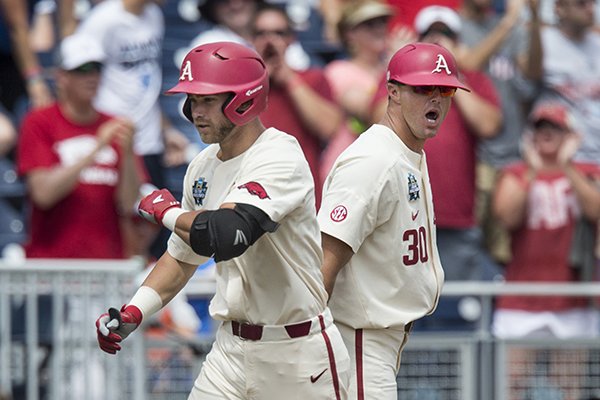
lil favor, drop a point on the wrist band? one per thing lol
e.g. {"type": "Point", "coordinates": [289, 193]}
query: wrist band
{"type": "Point", "coordinates": [147, 300]}
{"type": "Point", "coordinates": [170, 218]}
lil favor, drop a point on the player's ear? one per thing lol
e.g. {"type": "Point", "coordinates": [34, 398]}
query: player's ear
{"type": "Point", "coordinates": [393, 91]}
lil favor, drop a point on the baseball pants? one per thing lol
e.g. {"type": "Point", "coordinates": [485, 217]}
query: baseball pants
{"type": "Point", "coordinates": [314, 366]}
{"type": "Point", "coordinates": [375, 355]}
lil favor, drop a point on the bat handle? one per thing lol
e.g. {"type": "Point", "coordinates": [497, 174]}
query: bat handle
{"type": "Point", "coordinates": [115, 314]}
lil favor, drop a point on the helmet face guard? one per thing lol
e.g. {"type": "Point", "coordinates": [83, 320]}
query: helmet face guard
{"type": "Point", "coordinates": [424, 64]}
{"type": "Point", "coordinates": [225, 67]}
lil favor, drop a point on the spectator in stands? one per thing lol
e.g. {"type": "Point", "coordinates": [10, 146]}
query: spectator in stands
{"type": "Point", "coordinates": [476, 117]}
{"type": "Point", "coordinates": [232, 20]}
{"type": "Point", "coordinates": [452, 153]}
{"type": "Point", "coordinates": [363, 29]}
{"type": "Point", "coordinates": [571, 68]}
{"type": "Point", "coordinates": [78, 164]}
{"type": "Point", "coordinates": [131, 34]}
{"type": "Point", "coordinates": [79, 167]}
{"type": "Point", "coordinates": [540, 200]}
{"type": "Point", "coordinates": [20, 72]}
{"type": "Point", "coordinates": [510, 52]}
{"type": "Point", "coordinates": [300, 102]}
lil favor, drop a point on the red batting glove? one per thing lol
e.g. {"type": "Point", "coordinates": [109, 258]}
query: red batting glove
{"type": "Point", "coordinates": [154, 206]}
{"type": "Point", "coordinates": [114, 326]}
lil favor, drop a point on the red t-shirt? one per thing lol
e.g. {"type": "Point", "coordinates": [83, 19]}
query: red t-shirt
{"type": "Point", "coordinates": [451, 158]}
{"type": "Point", "coordinates": [84, 224]}
{"type": "Point", "coordinates": [541, 247]}
{"type": "Point", "coordinates": [281, 114]}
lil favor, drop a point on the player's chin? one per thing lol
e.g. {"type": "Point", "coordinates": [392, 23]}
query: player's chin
{"type": "Point", "coordinates": [207, 137]}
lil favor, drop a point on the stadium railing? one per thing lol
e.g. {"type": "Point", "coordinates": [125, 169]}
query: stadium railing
{"type": "Point", "coordinates": [48, 348]}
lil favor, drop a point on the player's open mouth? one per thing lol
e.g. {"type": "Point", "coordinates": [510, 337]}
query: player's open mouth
{"type": "Point", "coordinates": [432, 116]}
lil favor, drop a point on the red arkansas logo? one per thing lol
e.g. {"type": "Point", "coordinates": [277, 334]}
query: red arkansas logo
{"type": "Point", "coordinates": [255, 189]}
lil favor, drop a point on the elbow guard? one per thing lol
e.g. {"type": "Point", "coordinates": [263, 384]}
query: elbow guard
{"type": "Point", "coordinates": [227, 233]}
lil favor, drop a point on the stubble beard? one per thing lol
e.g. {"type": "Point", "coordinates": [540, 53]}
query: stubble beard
{"type": "Point", "coordinates": [222, 132]}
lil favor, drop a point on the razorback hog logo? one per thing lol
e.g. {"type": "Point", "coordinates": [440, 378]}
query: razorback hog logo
{"type": "Point", "coordinates": [255, 189]}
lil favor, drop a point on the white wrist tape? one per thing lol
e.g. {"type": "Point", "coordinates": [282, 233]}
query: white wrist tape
{"type": "Point", "coordinates": [170, 218]}
{"type": "Point", "coordinates": [147, 300]}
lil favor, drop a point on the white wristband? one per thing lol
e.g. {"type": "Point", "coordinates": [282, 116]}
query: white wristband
{"type": "Point", "coordinates": [147, 300]}
{"type": "Point", "coordinates": [170, 218]}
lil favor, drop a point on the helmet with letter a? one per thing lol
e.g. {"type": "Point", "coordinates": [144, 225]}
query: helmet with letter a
{"type": "Point", "coordinates": [225, 67]}
{"type": "Point", "coordinates": [424, 64]}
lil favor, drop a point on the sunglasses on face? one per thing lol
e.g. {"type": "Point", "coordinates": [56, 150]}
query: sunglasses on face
{"type": "Point", "coordinates": [87, 68]}
{"type": "Point", "coordinates": [445, 91]}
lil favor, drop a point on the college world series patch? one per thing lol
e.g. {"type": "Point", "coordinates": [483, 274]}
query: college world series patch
{"type": "Point", "coordinates": [413, 188]}
{"type": "Point", "coordinates": [199, 191]}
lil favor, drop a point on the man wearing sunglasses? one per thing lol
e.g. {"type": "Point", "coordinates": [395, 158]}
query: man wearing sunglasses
{"type": "Point", "coordinates": [300, 102]}
{"type": "Point", "coordinates": [381, 265]}
{"type": "Point", "coordinates": [81, 174]}
{"type": "Point", "coordinates": [78, 164]}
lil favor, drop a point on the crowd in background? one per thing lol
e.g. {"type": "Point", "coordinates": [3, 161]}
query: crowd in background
{"type": "Point", "coordinates": [516, 165]}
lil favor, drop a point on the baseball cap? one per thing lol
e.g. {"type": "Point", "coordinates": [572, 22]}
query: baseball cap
{"type": "Point", "coordinates": [424, 64]}
{"type": "Point", "coordinates": [359, 12]}
{"type": "Point", "coordinates": [78, 49]}
{"type": "Point", "coordinates": [432, 14]}
{"type": "Point", "coordinates": [554, 113]}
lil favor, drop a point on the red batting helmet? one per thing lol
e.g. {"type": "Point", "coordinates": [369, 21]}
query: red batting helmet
{"type": "Point", "coordinates": [225, 67]}
{"type": "Point", "coordinates": [423, 64]}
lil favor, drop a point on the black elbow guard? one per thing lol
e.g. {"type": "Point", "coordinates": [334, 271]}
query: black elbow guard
{"type": "Point", "coordinates": [227, 233]}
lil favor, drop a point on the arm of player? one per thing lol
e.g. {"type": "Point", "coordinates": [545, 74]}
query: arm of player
{"type": "Point", "coordinates": [336, 255]}
{"type": "Point", "coordinates": [224, 233]}
{"type": "Point", "coordinates": [167, 278]}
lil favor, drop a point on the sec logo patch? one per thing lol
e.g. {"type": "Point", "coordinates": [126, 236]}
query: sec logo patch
{"type": "Point", "coordinates": [338, 214]}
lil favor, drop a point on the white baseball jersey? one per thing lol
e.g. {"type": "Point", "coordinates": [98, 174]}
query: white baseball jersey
{"type": "Point", "coordinates": [377, 199]}
{"type": "Point", "coordinates": [277, 280]}
{"type": "Point", "coordinates": [132, 73]}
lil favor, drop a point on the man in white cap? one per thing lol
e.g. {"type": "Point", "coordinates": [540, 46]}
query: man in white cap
{"type": "Point", "coordinates": [81, 173]}
{"type": "Point", "coordinates": [78, 164]}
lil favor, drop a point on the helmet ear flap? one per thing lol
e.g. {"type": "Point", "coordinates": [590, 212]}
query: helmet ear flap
{"type": "Point", "coordinates": [187, 110]}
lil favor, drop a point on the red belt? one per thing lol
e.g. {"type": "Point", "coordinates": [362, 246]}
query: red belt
{"type": "Point", "coordinates": [254, 332]}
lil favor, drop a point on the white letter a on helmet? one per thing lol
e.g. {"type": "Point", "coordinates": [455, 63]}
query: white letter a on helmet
{"type": "Point", "coordinates": [186, 72]}
{"type": "Point", "coordinates": [439, 65]}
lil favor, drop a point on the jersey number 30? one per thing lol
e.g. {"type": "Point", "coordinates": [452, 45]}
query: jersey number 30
{"type": "Point", "coordinates": [417, 246]}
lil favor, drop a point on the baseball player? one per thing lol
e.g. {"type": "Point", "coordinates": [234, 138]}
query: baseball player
{"type": "Point", "coordinates": [248, 201]}
{"type": "Point", "coordinates": [381, 265]}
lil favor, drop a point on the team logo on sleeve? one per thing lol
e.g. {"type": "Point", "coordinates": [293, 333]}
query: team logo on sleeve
{"type": "Point", "coordinates": [255, 189]}
{"type": "Point", "coordinates": [199, 191]}
{"type": "Point", "coordinates": [338, 214]}
{"type": "Point", "coordinates": [413, 188]}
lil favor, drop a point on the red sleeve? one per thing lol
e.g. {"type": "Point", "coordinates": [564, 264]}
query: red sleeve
{"type": "Point", "coordinates": [480, 83]}
{"type": "Point", "coordinates": [35, 147]}
{"type": "Point", "coordinates": [518, 169]}
{"type": "Point", "coordinates": [317, 81]}
{"type": "Point", "coordinates": [591, 170]}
